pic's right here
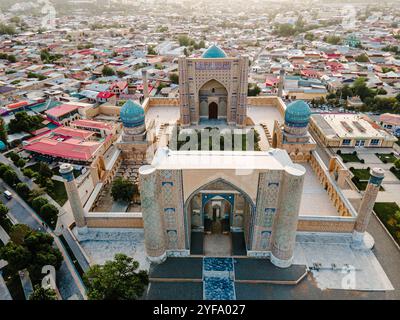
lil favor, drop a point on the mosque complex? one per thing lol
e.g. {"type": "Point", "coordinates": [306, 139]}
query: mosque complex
{"type": "Point", "coordinates": [251, 202]}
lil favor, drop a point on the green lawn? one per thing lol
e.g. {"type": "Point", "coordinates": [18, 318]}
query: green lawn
{"type": "Point", "coordinates": [386, 157]}
{"type": "Point", "coordinates": [361, 177]}
{"type": "Point", "coordinates": [361, 174]}
{"type": "Point", "coordinates": [396, 172]}
{"type": "Point", "coordinates": [386, 211]}
{"type": "Point", "coordinates": [58, 193]}
{"type": "Point", "coordinates": [349, 157]}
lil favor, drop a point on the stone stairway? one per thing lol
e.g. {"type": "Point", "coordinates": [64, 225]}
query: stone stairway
{"type": "Point", "coordinates": [267, 133]}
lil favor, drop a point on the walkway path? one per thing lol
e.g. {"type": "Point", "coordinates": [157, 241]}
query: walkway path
{"type": "Point", "coordinates": [4, 237]}
{"type": "Point", "coordinates": [4, 293]}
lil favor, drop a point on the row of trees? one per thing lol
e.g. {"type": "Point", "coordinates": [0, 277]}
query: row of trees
{"type": "Point", "coordinates": [31, 250]}
{"type": "Point", "coordinates": [47, 57]}
{"type": "Point", "coordinates": [373, 101]}
{"type": "Point", "coordinates": [10, 57]}
{"type": "Point", "coordinates": [40, 205]}
{"type": "Point", "coordinates": [25, 122]}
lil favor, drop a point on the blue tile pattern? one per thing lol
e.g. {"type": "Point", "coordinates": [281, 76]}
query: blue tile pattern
{"type": "Point", "coordinates": [218, 279]}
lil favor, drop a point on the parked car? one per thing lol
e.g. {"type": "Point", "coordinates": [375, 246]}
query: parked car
{"type": "Point", "coordinates": [7, 194]}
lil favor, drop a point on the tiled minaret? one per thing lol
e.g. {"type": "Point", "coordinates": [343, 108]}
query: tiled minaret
{"type": "Point", "coordinates": [362, 239]}
{"type": "Point", "coordinates": [154, 236]}
{"type": "Point", "coordinates": [66, 171]}
{"type": "Point", "coordinates": [281, 82]}
{"type": "Point", "coordinates": [285, 225]}
{"type": "Point", "coordinates": [145, 84]}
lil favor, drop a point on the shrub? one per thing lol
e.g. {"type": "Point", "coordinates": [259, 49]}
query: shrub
{"type": "Point", "coordinates": [354, 153]}
{"type": "Point", "coordinates": [362, 160]}
{"type": "Point", "coordinates": [339, 152]}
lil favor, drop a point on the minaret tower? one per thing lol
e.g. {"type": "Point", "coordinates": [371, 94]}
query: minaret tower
{"type": "Point", "coordinates": [281, 81]}
{"type": "Point", "coordinates": [145, 84]}
{"type": "Point", "coordinates": [66, 171]}
{"type": "Point", "coordinates": [362, 239]}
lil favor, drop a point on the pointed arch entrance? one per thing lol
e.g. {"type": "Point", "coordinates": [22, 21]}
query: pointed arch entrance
{"type": "Point", "coordinates": [213, 111]}
{"type": "Point", "coordinates": [213, 100]}
{"type": "Point", "coordinates": [218, 219]}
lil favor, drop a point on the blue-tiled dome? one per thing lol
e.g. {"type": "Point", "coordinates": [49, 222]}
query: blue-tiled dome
{"type": "Point", "coordinates": [2, 146]}
{"type": "Point", "coordinates": [214, 52]}
{"type": "Point", "coordinates": [297, 114]}
{"type": "Point", "coordinates": [132, 114]}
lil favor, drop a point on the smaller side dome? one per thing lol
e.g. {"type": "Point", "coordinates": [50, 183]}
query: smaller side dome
{"type": "Point", "coordinates": [2, 146]}
{"type": "Point", "coordinates": [214, 52]}
{"type": "Point", "coordinates": [297, 114]}
{"type": "Point", "coordinates": [132, 114]}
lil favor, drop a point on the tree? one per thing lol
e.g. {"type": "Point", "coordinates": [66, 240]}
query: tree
{"type": "Point", "coordinates": [28, 173]}
{"type": "Point", "coordinates": [44, 173]}
{"type": "Point", "coordinates": [18, 233]}
{"type": "Point", "coordinates": [116, 280]}
{"type": "Point", "coordinates": [184, 41]}
{"type": "Point", "coordinates": [24, 122]}
{"type": "Point", "coordinates": [23, 190]}
{"type": "Point", "coordinates": [334, 40]}
{"type": "Point", "coordinates": [12, 58]}
{"type": "Point", "coordinates": [3, 131]}
{"type": "Point", "coordinates": [397, 164]}
{"type": "Point", "coordinates": [20, 163]}
{"type": "Point", "coordinates": [38, 203]}
{"type": "Point", "coordinates": [174, 77]}
{"type": "Point", "coordinates": [17, 256]}
{"type": "Point", "coordinates": [122, 189]}
{"type": "Point", "coordinates": [10, 177]}
{"type": "Point", "coordinates": [49, 214]}
{"type": "Point", "coordinates": [108, 71]}
{"type": "Point", "coordinates": [253, 90]}
{"type": "Point", "coordinates": [3, 211]}
{"type": "Point", "coordinates": [41, 294]}
{"type": "Point", "coordinates": [309, 36]}
{"type": "Point", "coordinates": [362, 58]}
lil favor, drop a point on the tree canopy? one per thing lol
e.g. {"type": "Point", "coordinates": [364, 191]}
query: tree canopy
{"type": "Point", "coordinates": [123, 189]}
{"type": "Point", "coordinates": [34, 251]}
{"type": "Point", "coordinates": [116, 280]}
{"type": "Point", "coordinates": [41, 294]}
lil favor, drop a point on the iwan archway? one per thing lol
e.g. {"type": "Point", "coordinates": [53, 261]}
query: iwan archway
{"type": "Point", "coordinates": [213, 100]}
{"type": "Point", "coordinates": [219, 217]}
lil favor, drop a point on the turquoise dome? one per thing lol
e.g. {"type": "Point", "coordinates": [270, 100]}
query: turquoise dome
{"type": "Point", "coordinates": [297, 114]}
{"type": "Point", "coordinates": [214, 52]}
{"type": "Point", "coordinates": [2, 146]}
{"type": "Point", "coordinates": [132, 114]}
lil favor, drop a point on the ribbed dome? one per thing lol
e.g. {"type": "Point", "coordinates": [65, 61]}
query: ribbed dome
{"type": "Point", "coordinates": [297, 114]}
{"type": "Point", "coordinates": [214, 52]}
{"type": "Point", "coordinates": [132, 114]}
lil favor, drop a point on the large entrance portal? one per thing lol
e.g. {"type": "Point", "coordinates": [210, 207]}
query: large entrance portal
{"type": "Point", "coordinates": [218, 215]}
{"type": "Point", "coordinates": [213, 111]}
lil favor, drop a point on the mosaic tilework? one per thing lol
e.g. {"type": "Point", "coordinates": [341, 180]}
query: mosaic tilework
{"type": "Point", "coordinates": [171, 198]}
{"type": "Point", "coordinates": [266, 208]}
{"type": "Point", "coordinates": [153, 225]}
{"type": "Point", "coordinates": [284, 233]}
{"type": "Point", "coordinates": [218, 279]}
